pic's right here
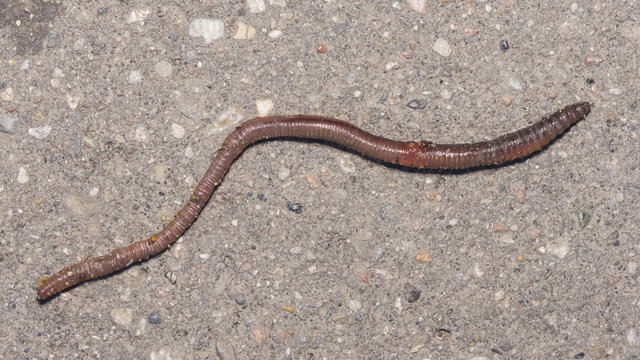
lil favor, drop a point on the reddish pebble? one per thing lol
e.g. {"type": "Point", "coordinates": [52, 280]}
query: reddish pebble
{"type": "Point", "coordinates": [191, 70]}
{"type": "Point", "coordinates": [520, 196]}
{"type": "Point", "coordinates": [321, 49]}
{"type": "Point", "coordinates": [365, 276]}
{"type": "Point", "coordinates": [12, 109]}
{"type": "Point", "coordinates": [497, 227]}
{"type": "Point", "coordinates": [593, 60]}
{"type": "Point", "coordinates": [259, 336]}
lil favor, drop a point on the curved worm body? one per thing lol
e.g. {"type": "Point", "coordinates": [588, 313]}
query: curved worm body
{"type": "Point", "coordinates": [412, 154]}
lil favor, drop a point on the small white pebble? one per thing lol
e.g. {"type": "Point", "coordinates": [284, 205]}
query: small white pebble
{"type": "Point", "coordinates": [164, 69]}
{"type": "Point", "coordinates": [23, 177]}
{"type": "Point", "coordinates": [256, 6]}
{"type": "Point", "coordinates": [204, 256]}
{"type": "Point", "coordinates": [477, 271]}
{"type": "Point", "coordinates": [615, 91]}
{"type": "Point", "coordinates": [137, 15]}
{"type": "Point", "coordinates": [419, 6]}
{"type": "Point", "coordinates": [208, 29]}
{"type": "Point", "coordinates": [354, 305]}
{"type": "Point", "coordinates": [188, 152]}
{"type": "Point", "coordinates": [94, 191]}
{"type": "Point", "coordinates": [295, 250]}
{"type": "Point", "coordinates": [264, 106]}
{"type": "Point", "coordinates": [40, 132]}
{"type": "Point", "coordinates": [177, 131]}
{"type": "Point", "coordinates": [274, 34]}
{"type": "Point", "coordinates": [234, 222]}
{"type": "Point", "coordinates": [134, 77]}
{"type": "Point", "coordinates": [441, 46]}
{"type": "Point", "coordinates": [391, 66]}
{"type": "Point", "coordinates": [284, 173]}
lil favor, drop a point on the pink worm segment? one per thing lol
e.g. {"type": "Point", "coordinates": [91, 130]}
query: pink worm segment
{"type": "Point", "coordinates": [413, 154]}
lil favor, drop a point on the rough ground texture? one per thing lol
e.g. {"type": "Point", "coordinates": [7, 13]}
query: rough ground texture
{"type": "Point", "coordinates": [111, 110]}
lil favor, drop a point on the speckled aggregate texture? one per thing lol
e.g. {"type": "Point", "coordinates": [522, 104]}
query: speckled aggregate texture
{"type": "Point", "coordinates": [111, 111]}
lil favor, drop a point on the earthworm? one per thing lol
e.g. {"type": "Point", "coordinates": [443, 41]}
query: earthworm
{"type": "Point", "coordinates": [412, 154]}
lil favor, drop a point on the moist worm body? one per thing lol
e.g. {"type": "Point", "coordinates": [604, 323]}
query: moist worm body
{"type": "Point", "coordinates": [420, 154]}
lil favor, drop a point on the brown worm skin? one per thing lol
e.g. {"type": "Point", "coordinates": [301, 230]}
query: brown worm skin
{"type": "Point", "coordinates": [412, 154]}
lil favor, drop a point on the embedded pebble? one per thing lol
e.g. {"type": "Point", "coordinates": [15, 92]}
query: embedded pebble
{"type": "Point", "coordinates": [137, 15]}
{"type": "Point", "coordinates": [560, 248]}
{"type": "Point", "coordinates": [615, 91]}
{"type": "Point", "coordinates": [259, 336]}
{"type": "Point", "coordinates": [295, 207]}
{"type": "Point", "coordinates": [354, 305]}
{"type": "Point", "coordinates": [161, 354]}
{"type": "Point", "coordinates": [312, 181]}
{"type": "Point", "coordinates": [229, 118]}
{"type": "Point", "coordinates": [347, 165]}
{"type": "Point", "coordinates": [321, 48]}
{"type": "Point", "coordinates": [177, 249]}
{"type": "Point", "coordinates": [413, 295]}
{"type": "Point", "coordinates": [40, 132]}
{"type": "Point", "coordinates": [172, 277]}
{"type": "Point", "coordinates": [177, 131]}
{"type": "Point", "coordinates": [274, 34]}
{"type": "Point", "coordinates": [225, 351]}
{"type": "Point", "coordinates": [244, 31]}
{"type": "Point", "coordinates": [204, 256]}
{"type": "Point", "coordinates": [630, 29]}
{"type": "Point", "coordinates": [208, 29]}
{"type": "Point", "coordinates": [583, 218]}
{"type": "Point", "coordinates": [141, 328]}
{"type": "Point", "coordinates": [7, 94]}
{"type": "Point", "coordinates": [256, 6]}
{"type": "Point", "coordinates": [419, 6]}
{"type": "Point", "coordinates": [140, 133]}
{"type": "Point", "coordinates": [239, 299]}
{"type": "Point", "coordinates": [283, 174]}
{"type": "Point", "coordinates": [512, 82]}
{"type": "Point", "coordinates": [477, 272]}
{"type": "Point", "coordinates": [418, 104]}
{"type": "Point", "coordinates": [121, 316]}
{"type": "Point", "coordinates": [188, 152]}
{"type": "Point", "coordinates": [441, 46]}
{"type": "Point", "coordinates": [391, 66]}
{"type": "Point", "coordinates": [23, 177]}
{"type": "Point", "coordinates": [264, 106]}
{"type": "Point", "coordinates": [593, 60]}
{"type": "Point", "coordinates": [154, 317]}
{"type": "Point", "coordinates": [281, 3]}
{"type": "Point", "coordinates": [160, 172]}
{"type": "Point", "coordinates": [504, 45]}
{"type": "Point", "coordinates": [134, 77]}
{"type": "Point", "coordinates": [72, 101]}
{"type": "Point", "coordinates": [164, 69]}
{"type": "Point", "coordinates": [633, 337]}
{"type": "Point", "coordinates": [82, 206]}
{"type": "Point", "coordinates": [8, 124]}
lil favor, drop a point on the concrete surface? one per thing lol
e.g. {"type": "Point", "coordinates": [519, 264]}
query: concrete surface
{"type": "Point", "coordinates": [111, 112]}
